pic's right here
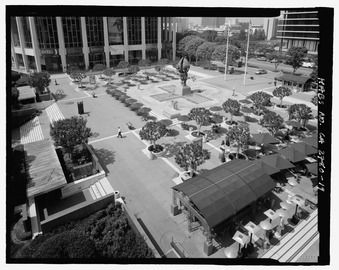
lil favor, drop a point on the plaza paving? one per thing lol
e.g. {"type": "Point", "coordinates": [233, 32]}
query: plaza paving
{"type": "Point", "coordinates": [145, 184]}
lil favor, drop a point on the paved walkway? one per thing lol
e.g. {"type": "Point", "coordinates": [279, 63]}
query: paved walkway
{"type": "Point", "coordinates": [31, 131]}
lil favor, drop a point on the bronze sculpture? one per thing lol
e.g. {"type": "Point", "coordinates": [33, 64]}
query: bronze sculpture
{"type": "Point", "coordinates": [183, 67]}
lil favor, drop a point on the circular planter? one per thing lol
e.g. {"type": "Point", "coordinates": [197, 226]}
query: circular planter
{"type": "Point", "coordinates": [231, 123]}
{"type": "Point", "coordinates": [232, 156]}
{"type": "Point", "coordinates": [196, 135]}
{"type": "Point", "coordinates": [160, 151]}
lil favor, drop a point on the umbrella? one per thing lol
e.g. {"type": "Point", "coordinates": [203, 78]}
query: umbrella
{"type": "Point", "coordinates": [277, 161]}
{"type": "Point", "coordinates": [130, 100]}
{"type": "Point", "coordinates": [271, 214]}
{"type": "Point", "coordinates": [254, 229]}
{"type": "Point", "coordinates": [144, 110]}
{"type": "Point", "coordinates": [281, 213]}
{"type": "Point", "coordinates": [247, 110]}
{"type": "Point", "coordinates": [291, 154]}
{"type": "Point", "coordinates": [166, 122]}
{"type": "Point", "coordinates": [267, 168]}
{"type": "Point", "coordinates": [245, 101]}
{"type": "Point", "coordinates": [266, 225]}
{"type": "Point", "coordinates": [137, 105]}
{"type": "Point", "coordinates": [304, 148]}
{"type": "Point", "coordinates": [183, 118]}
{"type": "Point", "coordinates": [311, 141]}
{"type": "Point", "coordinates": [230, 253]}
{"type": "Point", "coordinates": [312, 168]}
{"type": "Point", "coordinates": [265, 138]}
{"type": "Point", "coordinates": [241, 238]}
{"type": "Point", "coordinates": [284, 205]}
{"type": "Point", "coordinates": [215, 109]}
{"type": "Point", "coordinates": [292, 182]}
{"type": "Point", "coordinates": [298, 200]}
{"type": "Point", "coordinates": [293, 123]}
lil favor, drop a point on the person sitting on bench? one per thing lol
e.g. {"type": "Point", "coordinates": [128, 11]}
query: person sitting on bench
{"type": "Point", "coordinates": [129, 125]}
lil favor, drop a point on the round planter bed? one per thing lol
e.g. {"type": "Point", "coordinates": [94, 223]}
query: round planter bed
{"type": "Point", "coordinates": [233, 155]}
{"type": "Point", "coordinates": [197, 134]}
{"type": "Point", "coordinates": [231, 123]}
{"type": "Point", "coordinates": [158, 152]}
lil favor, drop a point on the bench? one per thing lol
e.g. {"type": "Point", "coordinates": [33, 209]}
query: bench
{"type": "Point", "coordinates": [171, 115]}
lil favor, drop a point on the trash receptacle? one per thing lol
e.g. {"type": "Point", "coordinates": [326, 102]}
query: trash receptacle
{"type": "Point", "coordinates": [80, 107]}
{"type": "Point", "coordinates": [232, 70]}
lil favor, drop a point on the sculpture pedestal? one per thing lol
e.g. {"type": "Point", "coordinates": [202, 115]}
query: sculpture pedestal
{"type": "Point", "coordinates": [183, 90]}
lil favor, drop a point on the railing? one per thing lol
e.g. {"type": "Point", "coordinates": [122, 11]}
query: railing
{"type": "Point", "coordinates": [178, 247]}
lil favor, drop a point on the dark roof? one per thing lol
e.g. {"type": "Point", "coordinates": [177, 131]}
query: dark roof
{"type": "Point", "coordinates": [294, 78]}
{"type": "Point", "coordinates": [225, 190]}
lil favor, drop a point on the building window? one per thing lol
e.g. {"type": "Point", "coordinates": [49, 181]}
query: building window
{"type": "Point", "coordinates": [15, 32]}
{"type": "Point", "coordinates": [115, 30]}
{"type": "Point", "coordinates": [47, 32]}
{"type": "Point", "coordinates": [72, 32]}
{"type": "Point", "coordinates": [134, 57]}
{"type": "Point", "coordinates": [27, 32]}
{"type": "Point", "coordinates": [95, 31]}
{"type": "Point", "coordinates": [151, 29]}
{"type": "Point", "coordinates": [134, 30]}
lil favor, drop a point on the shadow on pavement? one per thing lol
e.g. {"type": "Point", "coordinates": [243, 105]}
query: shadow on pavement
{"type": "Point", "coordinates": [105, 157]}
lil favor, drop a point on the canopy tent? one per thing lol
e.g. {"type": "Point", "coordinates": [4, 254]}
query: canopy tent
{"type": "Point", "coordinates": [265, 138]}
{"type": "Point", "coordinates": [26, 93]}
{"type": "Point", "coordinates": [312, 168]}
{"type": "Point", "coordinates": [267, 168]}
{"type": "Point", "coordinates": [220, 193]}
{"type": "Point", "coordinates": [304, 148]}
{"type": "Point", "coordinates": [292, 154]}
{"type": "Point", "coordinates": [311, 141]}
{"type": "Point", "coordinates": [277, 161]}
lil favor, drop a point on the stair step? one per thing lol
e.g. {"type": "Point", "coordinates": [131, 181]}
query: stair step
{"type": "Point", "coordinates": [96, 191]}
{"type": "Point", "coordinates": [100, 188]}
{"type": "Point", "coordinates": [106, 185]}
{"type": "Point", "coordinates": [92, 193]}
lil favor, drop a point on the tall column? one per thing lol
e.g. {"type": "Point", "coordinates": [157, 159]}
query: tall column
{"type": "Point", "coordinates": [170, 38]}
{"type": "Point", "coordinates": [165, 28]}
{"type": "Point", "coordinates": [159, 38]}
{"type": "Point", "coordinates": [16, 62]}
{"type": "Point", "coordinates": [22, 42]}
{"type": "Point", "coordinates": [174, 40]}
{"type": "Point", "coordinates": [85, 49]}
{"type": "Point", "coordinates": [125, 38]}
{"type": "Point", "coordinates": [106, 42]}
{"type": "Point", "coordinates": [62, 48]}
{"type": "Point", "coordinates": [35, 44]}
{"type": "Point", "coordinates": [143, 37]}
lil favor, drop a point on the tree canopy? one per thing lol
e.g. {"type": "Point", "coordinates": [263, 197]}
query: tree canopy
{"type": "Point", "coordinates": [295, 57]}
{"type": "Point", "coordinates": [219, 54]}
{"type": "Point", "coordinates": [209, 35]}
{"type": "Point", "coordinates": [281, 92]}
{"type": "Point", "coordinates": [200, 115]}
{"type": "Point", "coordinates": [192, 46]}
{"type": "Point", "coordinates": [109, 72]}
{"type": "Point", "coordinates": [205, 50]}
{"type": "Point", "coordinates": [70, 132]}
{"type": "Point", "coordinates": [100, 68]}
{"type": "Point", "coordinates": [182, 44]}
{"type": "Point", "coordinates": [272, 121]}
{"type": "Point", "coordinates": [238, 135]}
{"type": "Point", "coordinates": [258, 99]}
{"type": "Point", "coordinates": [231, 106]}
{"type": "Point", "coordinates": [152, 132]}
{"type": "Point", "coordinates": [190, 156]}
{"type": "Point", "coordinates": [78, 75]}
{"type": "Point", "coordinates": [40, 80]}
{"type": "Point", "coordinates": [123, 65]}
{"type": "Point", "coordinates": [144, 63]}
{"type": "Point", "coordinates": [300, 112]}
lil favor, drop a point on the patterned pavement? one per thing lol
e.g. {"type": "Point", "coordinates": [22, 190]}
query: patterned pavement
{"type": "Point", "coordinates": [31, 131]}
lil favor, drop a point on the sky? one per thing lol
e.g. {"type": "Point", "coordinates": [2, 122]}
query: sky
{"type": "Point", "coordinates": [197, 20]}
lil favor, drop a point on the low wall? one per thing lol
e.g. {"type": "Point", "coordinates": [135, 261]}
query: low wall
{"type": "Point", "coordinates": [133, 222]}
{"type": "Point", "coordinates": [64, 216]}
{"type": "Point", "coordinates": [77, 186]}
{"type": "Point", "coordinates": [23, 112]}
{"type": "Point", "coordinates": [44, 104]}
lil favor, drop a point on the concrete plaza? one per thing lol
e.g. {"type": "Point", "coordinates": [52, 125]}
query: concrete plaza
{"type": "Point", "coordinates": [145, 184]}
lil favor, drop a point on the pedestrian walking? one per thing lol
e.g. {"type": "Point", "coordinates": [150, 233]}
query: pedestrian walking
{"type": "Point", "coordinates": [176, 105]}
{"type": "Point", "coordinates": [275, 83]}
{"type": "Point", "coordinates": [119, 133]}
{"type": "Point", "coordinates": [55, 81]}
{"type": "Point", "coordinates": [233, 91]}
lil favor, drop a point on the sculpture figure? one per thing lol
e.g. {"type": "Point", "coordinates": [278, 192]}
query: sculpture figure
{"type": "Point", "coordinates": [183, 68]}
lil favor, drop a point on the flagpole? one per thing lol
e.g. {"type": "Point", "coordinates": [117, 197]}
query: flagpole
{"type": "Point", "coordinates": [248, 43]}
{"type": "Point", "coordinates": [228, 34]}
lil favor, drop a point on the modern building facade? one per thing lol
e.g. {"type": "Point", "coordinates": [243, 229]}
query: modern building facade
{"type": "Point", "coordinates": [270, 28]}
{"type": "Point", "coordinates": [53, 43]}
{"type": "Point", "coordinates": [299, 28]}
{"type": "Point", "coordinates": [182, 24]}
{"type": "Point", "coordinates": [212, 22]}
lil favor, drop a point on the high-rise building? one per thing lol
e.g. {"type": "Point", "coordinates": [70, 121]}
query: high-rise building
{"type": "Point", "coordinates": [213, 22]}
{"type": "Point", "coordinates": [299, 28]}
{"type": "Point", "coordinates": [182, 24]}
{"type": "Point", "coordinates": [270, 28]}
{"type": "Point", "coordinates": [53, 43]}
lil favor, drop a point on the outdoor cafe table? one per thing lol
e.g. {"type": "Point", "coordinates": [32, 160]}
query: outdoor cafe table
{"type": "Point", "coordinates": [256, 232]}
{"type": "Point", "coordinates": [241, 238]}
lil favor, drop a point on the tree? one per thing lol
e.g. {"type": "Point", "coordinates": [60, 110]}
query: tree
{"type": "Point", "coordinates": [258, 99]}
{"type": "Point", "coordinates": [242, 36]}
{"type": "Point", "coordinates": [281, 92]}
{"type": "Point", "coordinates": [162, 63]}
{"type": "Point", "coordinates": [314, 73]}
{"type": "Point", "coordinates": [190, 156]}
{"type": "Point", "coordinates": [219, 54]}
{"type": "Point", "coordinates": [209, 35]}
{"type": "Point", "coordinates": [70, 132]}
{"type": "Point", "coordinates": [152, 132]}
{"type": "Point", "coordinates": [205, 51]}
{"type": "Point", "coordinates": [100, 68]}
{"type": "Point", "coordinates": [200, 115]}
{"type": "Point", "coordinates": [78, 75]}
{"type": "Point", "coordinates": [259, 34]}
{"type": "Point", "coordinates": [300, 112]}
{"type": "Point", "coordinates": [295, 57]}
{"type": "Point", "coordinates": [109, 72]}
{"type": "Point", "coordinates": [134, 69]}
{"type": "Point", "coordinates": [220, 40]}
{"type": "Point", "coordinates": [264, 48]}
{"type": "Point", "coordinates": [192, 46]}
{"type": "Point", "coordinates": [145, 63]}
{"type": "Point", "coordinates": [278, 56]}
{"type": "Point", "coordinates": [182, 44]}
{"type": "Point", "coordinates": [123, 65]}
{"type": "Point", "coordinates": [239, 135]}
{"type": "Point", "coordinates": [272, 121]}
{"type": "Point", "coordinates": [231, 106]}
{"type": "Point", "coordinates": [71, 69]}
{"type": "Point", "coordinates": [39, 80]}
{"type": "Point", "coordinates": [15, 98]}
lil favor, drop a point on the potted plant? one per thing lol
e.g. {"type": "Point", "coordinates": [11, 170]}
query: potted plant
{"type": "Point", "coordinates": [232, 107]}
{"type": "Point", "coordinates": [200, 115]}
